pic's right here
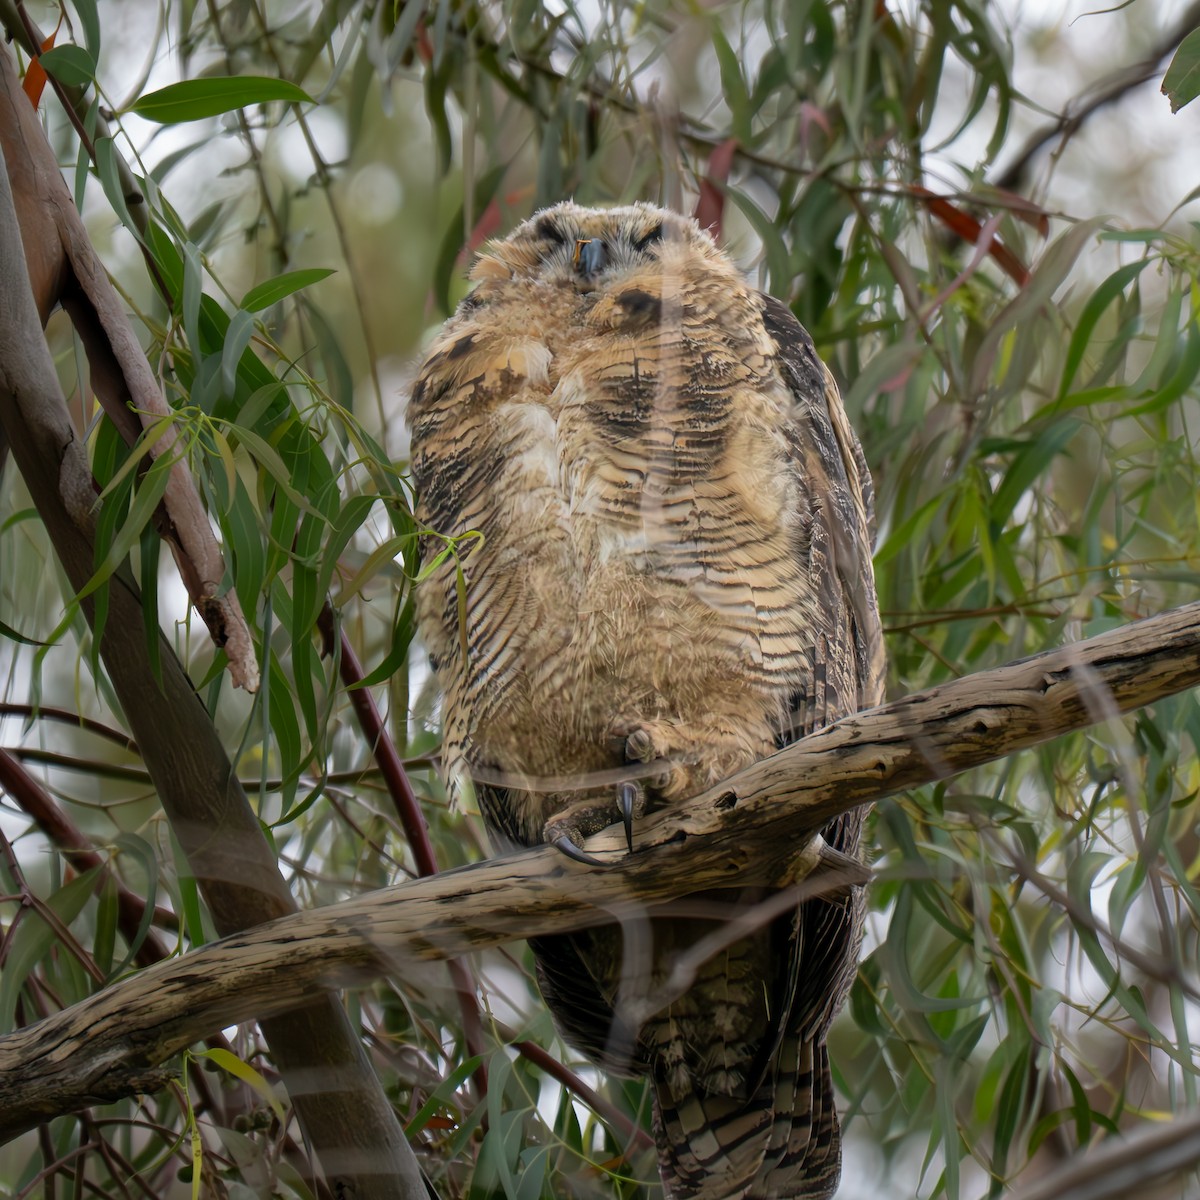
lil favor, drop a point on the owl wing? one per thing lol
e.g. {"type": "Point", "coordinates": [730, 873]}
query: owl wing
{"type": "Point", "coordinates": [847, 675]}
{"type": "Point", "coordinates": [848, 659]}
{"type": "Point", "coordinates": [783, 1140]}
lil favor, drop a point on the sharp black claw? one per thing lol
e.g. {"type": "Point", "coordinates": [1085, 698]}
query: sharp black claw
{"type": "Point", "coordinates": [627, 794]}
{"type": "Point", "coordinates": [571, 850]}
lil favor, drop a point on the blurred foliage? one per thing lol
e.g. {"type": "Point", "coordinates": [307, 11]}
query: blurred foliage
{"type": "Point", "coordinates": [1024, 383]}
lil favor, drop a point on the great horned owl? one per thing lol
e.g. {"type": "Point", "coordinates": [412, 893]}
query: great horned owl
{"type": "Point", "coordinates": [675, 565]}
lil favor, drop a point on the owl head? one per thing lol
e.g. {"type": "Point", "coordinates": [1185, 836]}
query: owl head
{"type": "Point", "coordinates": [589, 247]}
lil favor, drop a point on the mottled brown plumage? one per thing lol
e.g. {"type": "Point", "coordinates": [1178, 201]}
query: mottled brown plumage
{"type": "Point", "coordinates": [675, 565]}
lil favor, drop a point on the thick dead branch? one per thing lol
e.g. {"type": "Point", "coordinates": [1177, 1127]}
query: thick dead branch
{"type": "Point", "coordinates": [347, 1119]}
{"type": "Point", "coordinates": [64, 268]}
{"type": "Point", "coordinates": [753, 828]}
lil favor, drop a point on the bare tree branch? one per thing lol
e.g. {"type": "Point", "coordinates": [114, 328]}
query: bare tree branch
{"type": "Point", "coordinates": [65, 268]}
{"type": "Point", "coordinates": [756, 827]}
{"type": "Point", "coordinates": [1103, 92]}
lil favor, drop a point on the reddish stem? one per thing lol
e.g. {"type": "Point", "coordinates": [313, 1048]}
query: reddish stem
{"type": "Point", "coordinates": [391, 767]}
{"type": "Point", "coordinates": [556, 1070]}
{"type": "Point", "coordinates": [74, 846]}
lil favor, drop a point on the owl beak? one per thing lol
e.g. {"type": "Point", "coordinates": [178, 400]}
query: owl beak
{"type": "Point", "coordinates": [590, 257]}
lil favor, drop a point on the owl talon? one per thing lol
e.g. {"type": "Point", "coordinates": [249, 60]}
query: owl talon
{"type": "Point", "coordinates": [568, 847]}
{"type": "Point", "coordinates": [628, 795]}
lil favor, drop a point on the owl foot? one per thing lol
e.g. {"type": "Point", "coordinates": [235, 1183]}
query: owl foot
{"type": "Point", "coordinates": [571, 849]}
{"type": "Point", "coordinates": [648, 742]}
{"type": "Point", "coordinates": [568, 829]}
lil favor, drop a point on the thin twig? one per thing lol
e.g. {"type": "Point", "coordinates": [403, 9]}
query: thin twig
{"type": "Point", "coordinates": [67, 716]}
{"type": "Point", "coordinates": [77, 850]}
{"type": "Point", "coordinates": [540, 1057]}
{"type": "Point", "coordinates": [1103, 92]}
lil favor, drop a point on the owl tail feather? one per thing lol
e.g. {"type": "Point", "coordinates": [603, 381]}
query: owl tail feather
{"type": "Point", "coordinates": [783, 1144]}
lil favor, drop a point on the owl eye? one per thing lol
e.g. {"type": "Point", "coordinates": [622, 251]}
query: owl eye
{"type": "Point", "coordinates": [547, 230]}
{"type": "Point", "coordinates": [649, 239]}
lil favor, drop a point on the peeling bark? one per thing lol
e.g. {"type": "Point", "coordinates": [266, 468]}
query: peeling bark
{"type": "Point", "coordinates": [64, 268]}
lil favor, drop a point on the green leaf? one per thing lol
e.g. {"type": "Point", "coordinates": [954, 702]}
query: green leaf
{"type": "Point", "coordinates": [193, 289]}
{"type": "Point", "coordinates": [1186, 368]}
{"type": "Point", "coordinates": [342, 528]}
{"type": "Point", "coordinates": [105, 940]}
{"type": "Point", "coordinates": [339, 379]}
{"type": "Point", "coordinates": [533, 1172]}
{"type": "Point", "coordinates": [284, 725]}
{"type": "Point", "coordinates": [1103, 296]}
{"type": "Point", "coordinates": [242, 533]}
{"type": "Point", "coordinates": [382, 559]}
{"type": "Point", "coordinates": [452, 241]}
{"type": "Point", "coordinates": [306, 606]}
{"type": "Point", "coordinates": [189, 898]}
{"type": "Point", "coordinates": [437, 84]}
{"type": "Point", "coordinates": [166, 255]}
{"type": "Point", "coordinates": [247, 1074]}
{"type": "Point", "coordinates": [776, 251]}
{"type": "Point", "coordinates": [139, 848]}
{"type": "Point", "coordinates": [145, 501]}
{"type": "Point", "coordinates": [110, 180]}
{"type": "Point", "coordinates": [402, 635]}
{"type": "Point", "coordinates": [274, 290]}
{"type": "Point", "coordinates": [269, 400]}
{"type": "Point", "coordinates": [69, 64]}
{"type": "Point", "coordinates": [908, 531]}
{"type": "Point", "coordinates": [269, 459]}
{"type": "Point", "coordinates": [116, 473]}
{"type": "Point", "coordinates": [1028, 464]}
{"type": "Point", "coordinates": [34, 939]}
{"type": "Point", "coordinates": [89, 19]}
{"type": "Point", "coordinates": [442, 1096]}
{"type": "Point", "coordinates": [195, 99]}
{"type": "Point", "coordinates": [1020, 316]}
{"type": "Point", "coordinates": [1009, 1114]}
{"type": "Point", "coordinates": [733, 85]}
{"type": "Point", "coordinates": [237, 338]}
{"type": "Point", "coordinates": [7, 631]}
{"type": "Point", "coordinates": [1181, 84]}
{"type": "Point", "coordinates": [150, 543]}
{"type": "Point", "coordinates": [1080, 1105]}
{"type": "Point", "coordinates": [22, 514]}
{"type": "Point", "coordinates": [406, 26]}
{"type": "Point", "coordinates": [500, 1148]}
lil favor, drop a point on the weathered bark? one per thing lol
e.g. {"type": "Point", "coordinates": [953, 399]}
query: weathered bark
{"type": "Point", "coordinates": [342, 1108]}
{"type": "Point", "coordinates": [753, 828]}
{"type": "Point", "coordinates": [65, 269]}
